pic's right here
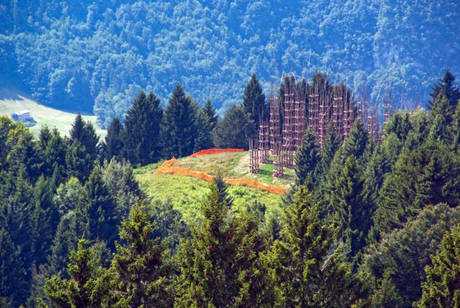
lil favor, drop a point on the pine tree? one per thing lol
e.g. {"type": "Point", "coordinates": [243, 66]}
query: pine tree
{"type": "Point", "coordinates": [254, 100]}
{"type": "Point", "coordinates": [331, 145]}
{"type": "Point", "coordinates": [220, 265]}
{"type": "Point", "coordinates": [401, 255]}
{"type": "Point", "coordinates": [307, 161]}
{"type": "Point", "coordinates": [81, 289]}
{"type": "Point", "coordinates": [427, 175]}
{"type": "Point", "coordinates": [204, 134]}
{"type": "Point", "coordinates": [44, 220]}
{"type": "Point", "coordinates": [140, 273]}
{"type": "Point", "coordinates": [101, 214]}
{"type": "Point", "coordinates": [113, 143]}
{"type": "Point", "coordinates": [78, 162]}
{"type": "Point", "coordinates": [211, 115]}
{"type": "Point", "coordinates": [179, 126]}
{"type": "Point", "coordinates": [447, 86]}
{"type": "Point", "coordinates": [141, 132]}
{"type": "Point", "coordinates": [13, 279]}
{"type": "Point", "coordinates": [54, 156]}
{"type": "Point", "coordinates": [441, 288]}
{"type": "Point", "coordinates": [307, 270]}
{"type": "Point", "coordinates": [234, 130]}
{"type": "Point", "coordinates": [85, 134]}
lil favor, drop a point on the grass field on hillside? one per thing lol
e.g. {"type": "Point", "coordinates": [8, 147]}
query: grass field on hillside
{"type": "Point", "coordinates": [43, 115]}
{"type": "Point", "coordinates": [186, 194]}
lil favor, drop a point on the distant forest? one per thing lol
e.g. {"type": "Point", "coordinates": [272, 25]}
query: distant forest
{"type": "Point", "coordinates": [95, 56]}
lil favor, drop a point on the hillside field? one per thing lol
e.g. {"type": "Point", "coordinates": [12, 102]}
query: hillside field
{"type": "Point", "coordinates": [187, 193]}
{"type": "Point", "coordinates": [43, 115]}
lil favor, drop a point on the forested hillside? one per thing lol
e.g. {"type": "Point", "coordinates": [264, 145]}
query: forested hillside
{"type": "Point", "coordinates": [368, 223]}
{"type": "Point", "coordinates": [95, 56]}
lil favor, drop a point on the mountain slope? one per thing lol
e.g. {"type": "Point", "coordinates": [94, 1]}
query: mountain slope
{"type": "Point", "coordinates": [97, 55]}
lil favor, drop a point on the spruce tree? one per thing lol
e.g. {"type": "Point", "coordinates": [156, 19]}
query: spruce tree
{"type": "Point", "coordinates": [307, 270]}
{"type": "Point", "coordinates": [81, 289]}
{"type": "Point", "coordinates": [141, 276]}
{"type": "Point", "coordinates": [426, 175]}
{"type": "Point", "coordinates": [220, 264]}
{"type": "Point", "coordinates": [331, 145]}
{"type": "Point", "coordinates": [447, 86]}
{"type": "Point", "coordinates": [441, 288]}
{"type": "Point", "coordinates": [210, 112]}
{"type": "Point", "coordinates": [179, 125]}
{"type": "Point", "coordinates": [100, 211]}
{"type": "Point", "coordinates": [113, 143]}
{"type": "Point", "coordinates": [78, 161]}
{"type": "Point", "coordinates": [234, 130]}
{"type": "Point", "coordinates": [307, 161]}
{"type": "Point", "coordinates": [254, 100]}
{"type": "Point", "coordinates": [85, 134]}
{"type": "Point", "coordinates": [204, 132]}
{"type": "Point", "coordinates": [13, 279]}
{"type": "Point", "coordinates": [141, 132]}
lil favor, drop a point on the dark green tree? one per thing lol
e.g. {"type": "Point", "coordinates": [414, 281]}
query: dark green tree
{"type": "Point", "coordinates": [330, 147]}
{"type": "Point", "coordinates": [307, 161]}
{"type": "Point", "coordinates": [447, 86]}
{"type": "Point", "coordinates": [13, 278]}
{"type": "Point", "coordinates": [78, 162]}
{"type": "Point", "coordinates": [81, 290]}
{"type": "Point", "coordinates": [210, 112]}
{"type": "Point", "coordinates": [427, 175]}
{"type": "Point", "coordinates": [140, 274]}
{"type": "Point", "coordinates": [254, 100]}
{"type": "Point", "coordinates": [54, 156]}
{"type": "Point", "coordinates": [85, 133]}
{"type": "Point", "coordinates": [441, 288]}
{"type": "Point", "coordinates": [401, 256]}
{"type": "Point", "coordinates": [179, 125]}
{"type": "Point", "coordinates": [307, 269]}
{"type": "Point", "coordinates": [204, 127]}
{"type": "Point", "coordinates": [141, 132]}
{"type": "Point", "coordinates": [100, 212]}
{"type": "Point", "coordinates": [234, 130]}
{"type": "Point", "coordinates": [113, 143]}
{"type": "Point", "coordinates": [220, 264]}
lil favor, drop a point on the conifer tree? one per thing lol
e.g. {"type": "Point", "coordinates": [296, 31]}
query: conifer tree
{"type": "Point", "coordinates": [204, 134]}
{"type": "Point", "coordinates": [219, 266]}
{"type": "Point", "coordinates": [179, 126]}
{"type": "Point", "coordinates": [447, 86]}
{"type": "Point", "coordinates": [307, 270]}
{"type": "Point", "coordinates": [113, 143]}
{"type": "Point", "coordinates": [141, 276]}
{"type": "Point", "coordinates": [81, 289]}
{"type": "Point", "coordinates": [13, 279]}
{"type": "Point", "coordinates": [441, 288]}
{"type": "Point", "coordinates": [141, 132]}
{"type": "Point", "coordinates": [210, 112]}
{"type": "Point", "coordinates": [78, 161]}
{"type": "Point", "coordinates": [54, 156]}
{"type": "Point", "coordinates": [401, 255]}
{"type": "Point", "coordinates": [307, 160]}
{"type": "Point", "coordinates": [101, 214]}
{"type": "Point", "coordinates": [234, 130]}
{"type": "Point", "coordinates": [426, 175]}
{"type": "Point", "coordinates": [254, 100]}
{"type": "Point", "coordinates": [85, 134]}
{"type": "Point", "coordinates": [331, 145]}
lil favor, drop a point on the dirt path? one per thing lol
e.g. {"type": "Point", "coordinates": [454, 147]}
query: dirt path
{"type": "Point", "coordinates": [243, 165]}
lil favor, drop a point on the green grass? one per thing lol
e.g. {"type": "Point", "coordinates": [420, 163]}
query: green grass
{"type": "Point", "coordinates": [186, 194]}
{"type": "Point", "coordinates": [43, 115]}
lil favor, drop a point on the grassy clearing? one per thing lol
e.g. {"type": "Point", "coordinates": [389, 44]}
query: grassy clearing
{"type": "Point", "coordinates": [53, 118]}
{"type": "Point", "coordinates": [223, 163]}
{"type": "Point", "coordinates": [186, 194]}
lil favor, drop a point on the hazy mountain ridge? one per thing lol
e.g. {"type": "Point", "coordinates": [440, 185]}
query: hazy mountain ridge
{"type": "Point", "coordinates": [97, 56]}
